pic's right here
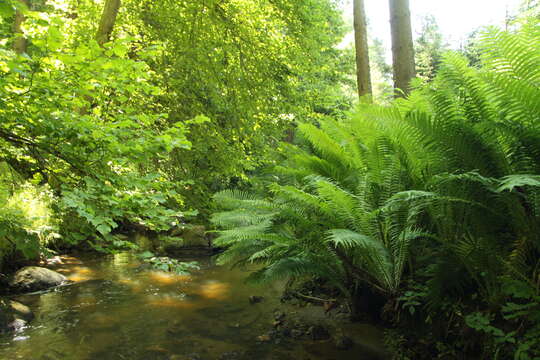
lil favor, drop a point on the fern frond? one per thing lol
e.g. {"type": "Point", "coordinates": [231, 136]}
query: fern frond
{"type": "Point", "coordinates": [510, 182]}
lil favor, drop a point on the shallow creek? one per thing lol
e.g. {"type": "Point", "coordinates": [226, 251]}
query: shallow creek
{"type": "Point", "coordinates": [115, 310]}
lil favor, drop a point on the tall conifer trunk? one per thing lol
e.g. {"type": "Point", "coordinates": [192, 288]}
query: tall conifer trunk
{"type": "Point", "coordinates": [402, 45]}
{"type": "Point", "coordinates": [363, 76]}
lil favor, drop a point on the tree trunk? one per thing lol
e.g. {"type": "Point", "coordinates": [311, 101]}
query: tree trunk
{"type": "Point", "coordinates": [402, 45]}
{"type": "Point", "coordinates": [108, 18]}
{"type": "Point", "coordinates": [363, 75]}
{"type": "Point", "coordinates": [103, 35]}
{"type": "Point", "coordinates": [20, 44]}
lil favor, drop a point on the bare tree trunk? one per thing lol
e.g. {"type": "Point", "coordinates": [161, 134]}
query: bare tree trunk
{"type": "Point", "coordinates": [402, 45]}
{"type": "Point", "coordinates": [363, 76]}
{"type": "Point", "coordinates": [20, 44]}
{"type": "Point", "coordinates": [108, 18]}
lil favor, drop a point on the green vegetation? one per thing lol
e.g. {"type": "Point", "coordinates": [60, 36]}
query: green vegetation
{"type": "Point", "coordinates": [26, 226]}
{"type": "Point", "coordinates": [137, 133]}
{"type": "Point", "coordinates": [430, 203]}
{"type": "Point", "coordinates": [422, 211]}
{"type": "Point", "coordinates": [167, 264]}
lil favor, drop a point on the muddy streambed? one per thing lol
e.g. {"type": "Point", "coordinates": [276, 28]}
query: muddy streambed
{"type": "Point", "coordinates": [115, 310]}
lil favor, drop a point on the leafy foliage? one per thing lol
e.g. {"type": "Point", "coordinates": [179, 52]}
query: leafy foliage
{"type": "Point", "coordinates": [168, 264]}
{"type": "Point", "coordinates": [115, 130]}
{"type": "Point", "coordinates": [252, 67]}
{"type": "Point", "coordinates": [27, 228]}
{"type": "Point", "coordinates": [83, 119]}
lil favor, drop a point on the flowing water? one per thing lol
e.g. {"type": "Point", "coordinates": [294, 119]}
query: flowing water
{"type": "Point", "coordinates": [116, 310]}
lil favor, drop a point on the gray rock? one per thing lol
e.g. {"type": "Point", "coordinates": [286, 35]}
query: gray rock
{"type": "Point", "coordinates": [34, 278]}
{"type": "Point", "coordinates": [188, 240]}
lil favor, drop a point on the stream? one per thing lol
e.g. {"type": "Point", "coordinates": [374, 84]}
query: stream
{"type": "Point", "coordinates": [116, 310]}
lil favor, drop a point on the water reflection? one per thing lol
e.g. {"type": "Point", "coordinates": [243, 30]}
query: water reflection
{"type": "Point", "coordinates": [115, 310]}
{"type": "Point", "coordinates": [171, 301]}
{"type": "Point", "coordinates": [213, 289]}
{"type": "Point", "coordinates": [164, 278]}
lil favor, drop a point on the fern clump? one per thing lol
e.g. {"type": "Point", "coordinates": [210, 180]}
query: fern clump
{"type": "Point", "coordinates": [438, 192]}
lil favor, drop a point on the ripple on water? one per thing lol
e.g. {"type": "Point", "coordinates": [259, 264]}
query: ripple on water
{"type": "Point", "coordinates": [177, 301]}
{"type": "Point", "coordinates": [163, 278]}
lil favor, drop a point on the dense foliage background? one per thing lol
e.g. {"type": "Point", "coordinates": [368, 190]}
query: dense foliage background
{"type": "Point", "coordinates": [422, 210]}
{"type": "Point", "coordinates": [187, 99]}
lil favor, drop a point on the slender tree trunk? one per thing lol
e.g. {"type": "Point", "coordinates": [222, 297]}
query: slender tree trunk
{"type": "Point", "coordinates": [103, 35]}
{"type": "Point", "coordinates": [108, 18]}
{"type": "Point", "coordinates": [402, 45]}
{"type": "Point", "coordinates": [363, 76]}
{"type": "Point", "coordinates": [20, 44]}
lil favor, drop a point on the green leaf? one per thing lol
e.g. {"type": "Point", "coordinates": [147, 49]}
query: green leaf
{"type": "Point", "coordinates": [104, 229]}
{"type": "Point", "coordinates": [6, 9]}
{"type": "Point", "coordinates": [146, 255]}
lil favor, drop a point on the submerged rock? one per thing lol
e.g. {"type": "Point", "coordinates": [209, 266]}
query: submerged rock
{"type": "Point", "coordinates": [14, 316]}
{"type": "Point", "coordinates": [254, 299]}
{"type": "Point", "coordinates": [35, 278]}
{"type": "Point", "coordinates": [156, 352]}
{"type": "Point", "coordinates": [193, 356]}
{"type": "Point", "coordinates": [342, 316]}
{"type": "Point", "coordinates": [188, 240]}
{"type": "Point", "coordinates": [178, 328]}
{"type": "Point", "coordinates": [16, 325]}
{"type": "Point", "coordinates": [230, 355]}
{"type": "Point", "coordinates": [192, 235]}
{"type": "Point", "coordinates": [20, 311]}
{"type": "Point", "coordinates": [264, 338]}
{"type": "Point", "coordinates": [279, 315]}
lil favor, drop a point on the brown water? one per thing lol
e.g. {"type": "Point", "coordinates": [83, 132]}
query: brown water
{"type": "Point", "coordinates": [115, 310]}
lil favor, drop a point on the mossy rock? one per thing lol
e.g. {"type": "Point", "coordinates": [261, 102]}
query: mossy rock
{"type": "Point", "coordinates": [35, 278]}
{"type": "Point", "coordinates": [192, 235]}
{"type": "Point", "coordinates": [188, 240]}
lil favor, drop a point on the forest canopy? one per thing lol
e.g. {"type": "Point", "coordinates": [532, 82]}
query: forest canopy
{"type": "Point", "coordinates": [184, 99]}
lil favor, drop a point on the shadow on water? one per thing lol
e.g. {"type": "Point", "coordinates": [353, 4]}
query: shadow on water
{"type": "Point", "coordinates": [115, 310]}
